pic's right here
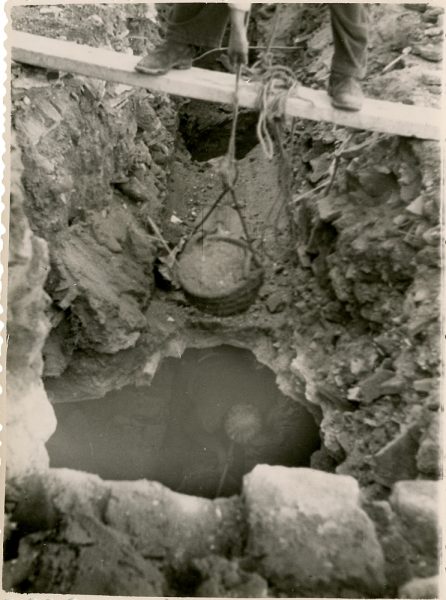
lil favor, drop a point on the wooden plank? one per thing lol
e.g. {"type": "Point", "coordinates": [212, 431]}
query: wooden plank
{"type": "Point", "coordinates": [376, 115]}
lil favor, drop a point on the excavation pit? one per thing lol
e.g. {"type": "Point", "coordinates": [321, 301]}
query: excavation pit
{"type": "Point", "coordinates": [205, 421]}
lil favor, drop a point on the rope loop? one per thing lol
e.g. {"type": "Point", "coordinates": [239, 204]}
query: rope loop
{"type": "Point", "coordinates": [277, 83]}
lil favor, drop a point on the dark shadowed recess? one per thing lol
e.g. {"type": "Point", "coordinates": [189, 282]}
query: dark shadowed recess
{"type": "Point", "coordinates": [206, 420]}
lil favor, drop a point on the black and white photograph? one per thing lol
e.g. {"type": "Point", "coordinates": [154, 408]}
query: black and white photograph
{"type": "Point", "coordinates": [222, 250]}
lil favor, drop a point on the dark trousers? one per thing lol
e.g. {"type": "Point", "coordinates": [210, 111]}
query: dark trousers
{"type": "Point", "coordinates": [202, 24]}
{"type": "Point", "coordinates": [198, 24]}
{"type": "Point", "coordinates": [349, 26]}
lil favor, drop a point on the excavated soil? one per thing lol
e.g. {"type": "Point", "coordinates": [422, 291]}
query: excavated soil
{"type": "Point", "coordinates": [212, 268]}
{"type": "Point", "coordinates": [113, 376]}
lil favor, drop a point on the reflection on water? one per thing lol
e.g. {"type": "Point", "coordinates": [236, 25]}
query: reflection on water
{"type": "Point", "coordinates": [206, 420]}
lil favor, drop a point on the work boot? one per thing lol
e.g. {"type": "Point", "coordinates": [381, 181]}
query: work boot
{"type": "Point", "coordinates": [345, 92]}
{"type": "Point", "coordinates": [170, 55]}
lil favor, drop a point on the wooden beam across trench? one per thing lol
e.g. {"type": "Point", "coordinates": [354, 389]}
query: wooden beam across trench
{"type": "Point", "coordinates": [376, 115]}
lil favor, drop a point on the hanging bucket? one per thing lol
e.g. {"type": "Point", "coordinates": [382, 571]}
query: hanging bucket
{"type": "Point", "coordinates": [219, 275]}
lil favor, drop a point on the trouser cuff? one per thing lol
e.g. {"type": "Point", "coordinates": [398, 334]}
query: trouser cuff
{"type": "Point", "coordinates": [349, 70]}
{"type": "Point", "coordinates": [182, 38]}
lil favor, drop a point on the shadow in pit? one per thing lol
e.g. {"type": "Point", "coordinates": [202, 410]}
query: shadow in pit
{"type": "Point", "coordinates": [206, 420]}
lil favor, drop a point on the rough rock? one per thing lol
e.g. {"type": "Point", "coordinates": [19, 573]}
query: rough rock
{"type": "Point", "coordinates": [27, 329]}
{"type": "Point", "coordinates": [416, 505]}
{"type": "Point", "coordinates": [430, 52]}
{"type": "Point", "coordinates": [328, 208]}
{"type": "Point", "coordinates": [395, 548]}
{"type": "Point", "coordinates": [397, 460]}
{"type": "Point", "coordinates": [432, 13]}
{"type": "Point", "coordinates": [322, 461]}
{"type": "Point", "coordinates": [26, 399]}
{"type": "Point", "coordinates": [101, 248]}
{"type": "Point", "coordinates": [428, 455]}
{"type": "Point", "coordinates": [55, 352]}
{"type": "Point", "coordinates": [85, 557]}
{"type": "Point", "coordinates": [105, 276]}
{"type": "Point", "coordinates": [107, 564]}
{"type": "Point", "coordinates": [277, 302]}
{"type": "Point", "coordinates": [93, 374]}
{"type": "Point", "coordinates": [224, 578]}
{"type": "Point", "coordinates": [75, 492]}
{"type": "Point", "coordinates": [298, 520]}
{"type": "Point", "coordinates": [28, 270]}
{"type": "Point", "coordinates": [30, 504]}
{"type": "Point", "coordinates": [374, 386]}
{"type": "Point", "coordinates": [172, 526]}
{"type": "Point", "coordinates": [128, 522]}
{"type": "Point", "coordinates": [420, 587]}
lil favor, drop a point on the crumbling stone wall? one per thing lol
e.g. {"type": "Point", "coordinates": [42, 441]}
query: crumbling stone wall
{"type": "Point", "coordinates": [28, 327]}
{"type": "Point", "coordinates": [274, 539]}
{"type": "Point", "coordinates": [378, 383]}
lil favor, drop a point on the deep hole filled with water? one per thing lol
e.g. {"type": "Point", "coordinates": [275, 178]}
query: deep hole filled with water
{"type": "Point", "coordinates": [206, 420]}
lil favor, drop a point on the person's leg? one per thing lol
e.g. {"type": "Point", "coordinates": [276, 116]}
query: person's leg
{"type": "Point", "coordinates": [190, 25]}
{"type": "Point", "coordinates": [349, 25]}
{"type": "Point", "coordinates": [350, 28]}
{"type": "Point", "coordinates": [198, 24]}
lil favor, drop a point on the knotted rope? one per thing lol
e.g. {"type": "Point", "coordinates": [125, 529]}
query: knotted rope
{"type": "Point", "coordinates": [277, 84]}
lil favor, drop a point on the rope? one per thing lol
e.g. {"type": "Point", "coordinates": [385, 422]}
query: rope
{"type": "Point", "coordinates": [222, 479]}
{"type": "Point", "coordinates": [277, 83]}
{"type": "Point", "coordinates": [231, 146]}
{"type": "Point", "coordinates": [285, 173]}
{"type": "Point", "coordinates": [228, 161]}
{"type": "Point", "coordinates": [232, 164]}
{"type": "Point", "coordinates": [229, 175]}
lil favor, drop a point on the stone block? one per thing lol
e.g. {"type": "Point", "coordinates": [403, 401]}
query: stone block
{"type": "Point", "coordinates": [277, 302]}
{"type": "Point", "coordinates": [309, 534]}
{"type": "Point", "coordinates": [172, 526]}
{"type": "Point", "coordinates": [74, 492]}
{"type": "Point", "coordinates": [395, 548]}
{"type": "Point", "coordinates": [428, 456]}
{"type": "Point", "coordinates": [420, 587]}
{"type": "Point", "coordinates": [28, 264]}
{"type": "Point", "coordinates": [328, 208]}
{"type": "Point", "coordinates": [376, 184]}
{"type": "Point", "coordinates": [31, 505]}
{"type": "Point", "coordinates": [416, 506]}
{"type": "Point", "coordinates": [373, 387]}
{"type": "Point", "coordinates": [111, 287]}
{"type": "Point", "coordinates": [226, 579]}
{"type": "Point", "coordinates": [108, 564]}
{"type": "Point", "coordinates": [25, 435]}
{"type": "Point", "coordinates": [397, 460]}
{"type": "Point", "coordinates": [84, 557]}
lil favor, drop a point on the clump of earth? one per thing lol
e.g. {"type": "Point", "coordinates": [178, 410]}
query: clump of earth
{"type": "Point", "coordinates": [212, 267]}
